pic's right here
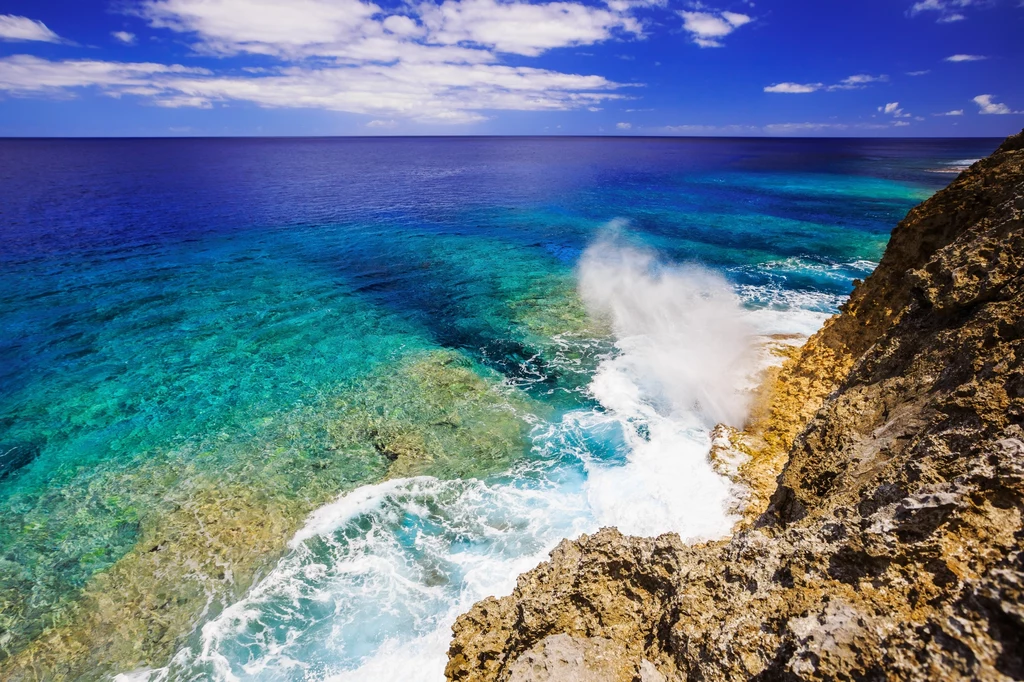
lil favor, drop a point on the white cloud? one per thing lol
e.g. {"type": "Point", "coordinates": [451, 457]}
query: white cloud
{"type": "Point", "coordinates": [707, 28]}
{"type": "Point", "coordinates": [182, 101]}
{"type": "Point", "coordinates": [355, 29]}
{"type": "Point", "coordinates": [778, 129]}
{"type": "Point", "coordinates": [522, 28]}
{"type": "Point", "coordinates": [919, 73]}
{"type": "Point", "coordinates": [809, 127]}
{"type": "Point", "coordinates": [698, 130]}
{"type": "Point", "coordinates": [955, 112]}
{"type": "Point", "coordinates": [427, 92]}
{"type": "Point", "coordinates": [856, 82]}
{"type": "Point", "coordinates": [628, 5]}
{"type": "Point", "coordinates": [794, 88]}
{"type": "Point", "coordinates": [965, 58]}
{"type": "Point", "coordinates": [261, 26]}
{"type": "Point", "coordinates": [402, 25]}
{"type": "Point", "coordinates": [24, 29]}
{"type": "Point", "coordinates": [124, 37]}
{"type": "Point", "coordinates": [736, 19]}
{"type": "Point", "coordinates": [380, 123]}
{"type": "Point", "coordinates": [893, 109]}
{"type": "Point", "coordinates": [346, 30]}
{"type": "Point", "coordinates": [23, 74]}
{"type": "Point", "coordinates": [987, 106]}
{"type": "Point", "coordinates": [900, 124]}
{"type": "Point", "coordinates": [946, 11]}
{"type": "Point", "coordinates": [789, 128]}
{"type": "Point", "coordinates": [623, 126]}
{"type": "Point", "coordinates": [428, 62]}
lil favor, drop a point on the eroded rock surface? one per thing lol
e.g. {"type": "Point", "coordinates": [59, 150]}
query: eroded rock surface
{"type": "Point", "coordinates": [892, 545]}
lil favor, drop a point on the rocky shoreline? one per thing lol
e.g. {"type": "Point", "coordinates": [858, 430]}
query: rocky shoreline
{"type": "Point", "coordinates": [885, 523]}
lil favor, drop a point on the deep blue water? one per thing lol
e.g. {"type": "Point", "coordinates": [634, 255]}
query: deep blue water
{"type": "Point", "coordinates": [296, 318]}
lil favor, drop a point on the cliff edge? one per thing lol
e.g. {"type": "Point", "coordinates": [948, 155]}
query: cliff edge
{"type": "Point", "coordinates": [891, 547]}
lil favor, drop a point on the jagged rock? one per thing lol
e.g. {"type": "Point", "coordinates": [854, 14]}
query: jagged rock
{"type": "Point", "coordinates": [892, 546]}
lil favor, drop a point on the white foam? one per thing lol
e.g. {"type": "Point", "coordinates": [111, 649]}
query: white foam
{"type": "Point", "coordinates": [328, 518]}
{"type": "Point", "coordinates": [375, 580]}
{"type": "Point", "coordinates": [357, 569]}
{"type": "Point", "coordinates": [680, 330]}
{"type": "Point", "coordinates": [958, 166]}
{"type": "Point", "coordinates": [774, 308]}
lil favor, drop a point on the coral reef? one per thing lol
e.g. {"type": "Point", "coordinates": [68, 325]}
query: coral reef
{"type": "Point", "coordinates": [206, 532]}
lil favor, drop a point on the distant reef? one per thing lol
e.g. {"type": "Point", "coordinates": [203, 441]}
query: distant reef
{"type": "Point", "coordinates": [886, 513]}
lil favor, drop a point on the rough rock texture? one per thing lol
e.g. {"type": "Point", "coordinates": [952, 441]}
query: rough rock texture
{"type": "Point", "coordinates": [571, 659]}
{"type": "Point", "coordinates": [892, 546]}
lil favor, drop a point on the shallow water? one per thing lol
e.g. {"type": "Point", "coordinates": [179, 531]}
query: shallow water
{"type": "Point", "coordinates": [302, 319]}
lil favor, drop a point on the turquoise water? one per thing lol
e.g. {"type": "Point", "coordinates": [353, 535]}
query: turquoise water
{"type": "Point", "coordinates": [199, 336]}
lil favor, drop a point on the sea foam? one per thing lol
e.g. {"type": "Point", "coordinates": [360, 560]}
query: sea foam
{"type": "Point", "coordinates": [374, 581]}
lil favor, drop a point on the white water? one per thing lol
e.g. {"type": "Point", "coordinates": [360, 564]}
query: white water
{"type": "Point", "coordinates": [375, 580]}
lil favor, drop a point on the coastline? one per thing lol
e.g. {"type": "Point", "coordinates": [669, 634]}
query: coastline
{"type": "Point", "coordinates": [890, 546]}
{"type": "Point", "coordinates": [171, 581]}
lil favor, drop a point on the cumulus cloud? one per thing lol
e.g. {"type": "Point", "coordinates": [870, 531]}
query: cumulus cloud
{"type": "Point", "coordinates": [426, 92]}
{"type": "Point", "coordinates": [707, 28]}
{"type": "Point", "coordinates": [893, 109]}
{"type": "Point", "coordinates": [261, 26]}
{"type": "Point", "coordinates": [919, 73]}
{"type": "Point", "coordinates": [954, 112]}
{"type": "Point", "coordinates": [794, 88]}
{"type": "Point", "coordinates": [425, 61]}
{"type": "Point", "coordinates": [124, 37]}
{"type": "Point", "coordinates": [623, 126]}
{"type": "Point", "coordinates": [22, 74]}
{"type": "Point", "coordinates": [401, 25]}
{"type": "Point", "coordinates": [987, 106]}
{"type": "Point", "coordinates": [966, 58]}
{"type": "Point", "coordinates": [522, 28]}
{"type": "Point", "coordinates": [856, 82]}
{"type": "Point", "coordinates": [357, 29]}
{"type": "Point", "coordinates": [17, 28]}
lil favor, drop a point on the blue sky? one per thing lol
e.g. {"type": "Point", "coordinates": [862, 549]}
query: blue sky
{"type": "Point", "coordinates": [623, 67]}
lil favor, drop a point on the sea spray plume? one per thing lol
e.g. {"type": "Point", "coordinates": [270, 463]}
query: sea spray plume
{"type": "Point", "coordinates": [680, 329]}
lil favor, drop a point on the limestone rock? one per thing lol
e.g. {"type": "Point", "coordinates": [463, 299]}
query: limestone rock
{"type": "Point", "coordinates": [893, 545]}
{"type": "Point", "coordinates": [561, 658]}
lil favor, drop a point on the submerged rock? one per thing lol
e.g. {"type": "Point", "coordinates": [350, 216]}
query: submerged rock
{"type": "Point", "coordinates": [201, 536]}
{"type": "Point", "coordinates": [891, 547]}
{"type": "Point", "coordinates": [16, 456]}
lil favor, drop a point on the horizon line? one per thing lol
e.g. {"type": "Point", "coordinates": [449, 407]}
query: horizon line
{"type": "Point", "coordinates": [498, 136]}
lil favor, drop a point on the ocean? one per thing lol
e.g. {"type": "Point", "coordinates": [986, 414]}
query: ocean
{"type": "Point", "coordinates": [281, 409]}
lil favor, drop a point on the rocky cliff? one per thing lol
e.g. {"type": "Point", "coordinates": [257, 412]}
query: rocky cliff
{"type": "Point", "coordinates": [891, 547]}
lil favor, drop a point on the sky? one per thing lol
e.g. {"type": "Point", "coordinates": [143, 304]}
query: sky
{"type": "Point", "coordinates": [874, 68]}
